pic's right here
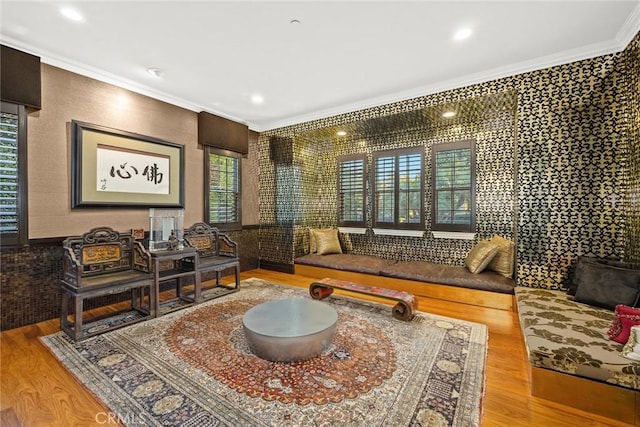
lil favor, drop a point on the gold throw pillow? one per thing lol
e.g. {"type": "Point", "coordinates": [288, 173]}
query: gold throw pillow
{"type": "Point", "coordinates": [327, 242]}
{"type": "Point", "coordinates": [503, 262]}
{"type": "Point", "coordinates": [313, 247]}
{"type": "Point", "coordinates": [480, 256]}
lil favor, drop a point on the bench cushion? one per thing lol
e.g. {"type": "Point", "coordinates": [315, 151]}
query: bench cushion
{"type": "Point", "coordinates": [346, 262]}
{"type": "Point", "coordinates": [424, 271]}
{"type": "Point", "coordinates": [563, 335]}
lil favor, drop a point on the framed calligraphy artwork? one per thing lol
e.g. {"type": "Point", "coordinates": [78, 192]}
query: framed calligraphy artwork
{"type": "Point", "coordinates": [117, 168]}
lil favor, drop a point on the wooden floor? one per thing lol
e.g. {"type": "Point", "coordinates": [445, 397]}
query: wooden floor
{"type": "Point", "coordinates": [35, 390]}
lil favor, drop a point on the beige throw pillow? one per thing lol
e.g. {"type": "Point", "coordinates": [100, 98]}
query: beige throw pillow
{"type": "Point", "coordinates": [480, 256]}
{"type": "Point", "coordinates": [503, 262]}
{"type": "Point", "coordinates": [327, 242]}
{"type": "Point", "coordinates": [312, 238]}
{"type": "Point", "coordinates": [312, 241]}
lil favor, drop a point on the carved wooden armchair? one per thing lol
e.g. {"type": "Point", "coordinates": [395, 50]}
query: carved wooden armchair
{"type": "Point", "coordinates": [103, 262]}
{"type": "Point", "coordinates": [216, 251]}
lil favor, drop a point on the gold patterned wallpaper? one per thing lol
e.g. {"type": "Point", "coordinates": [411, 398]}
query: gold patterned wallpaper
{"type": "Point", "coordinates": [632, 200]}
{"type": "Point", "coordinates": [558, 168]}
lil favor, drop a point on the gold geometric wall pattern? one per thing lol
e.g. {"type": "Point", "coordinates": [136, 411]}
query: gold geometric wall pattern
{"type": "Point", "coordinates": [558, 155]}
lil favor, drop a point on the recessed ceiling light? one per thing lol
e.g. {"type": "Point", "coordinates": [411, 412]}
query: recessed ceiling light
{"type": "Point", "coordinates": [341, 133]}
{"type": "Point", "coordinates": [155, 72]}
{"type": "Point", "coordinates": [448, 114]}
{"type": "Point", "coordinates": [71, 14]}
{"type": "Point", "coordinates": [462, 34]}
{"type": "Point", "coordinates": [257, 98]}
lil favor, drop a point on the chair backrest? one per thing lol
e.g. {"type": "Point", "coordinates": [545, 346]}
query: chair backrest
{"type": "Point", "coordinates": [204, 238]}
{"type": "Point", "coordinates": [102, 250]}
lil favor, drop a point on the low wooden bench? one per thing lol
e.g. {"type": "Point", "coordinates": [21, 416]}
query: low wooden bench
{"type": "Point", "coordinates": [403, 310]}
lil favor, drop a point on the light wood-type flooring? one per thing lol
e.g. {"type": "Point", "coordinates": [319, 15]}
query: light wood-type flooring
{"type": "Point", "coordinates": [35, 390]}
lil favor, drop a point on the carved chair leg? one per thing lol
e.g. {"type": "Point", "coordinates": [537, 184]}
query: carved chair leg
{"type": "Point", "coordinates": [237, 272]}
{"type": "Point", "coordinates": [79, 309]}
{"type": "Point", "coordinates": [197, 293]}
{"type": "Point", "coordinates": [64, 312]}
{"type": "Point", "coordinates": [135, 297]}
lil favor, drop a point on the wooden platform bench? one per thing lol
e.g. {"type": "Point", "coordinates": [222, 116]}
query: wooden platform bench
{"type": "Point", "coordinates": [406, 303]}
{"type": "Point", "coordinates": [103, 262]}
{"type": "Point", "coordinates": [373, 271]}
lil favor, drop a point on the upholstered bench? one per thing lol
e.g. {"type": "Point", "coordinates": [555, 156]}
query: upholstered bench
{"type": "Point", "coordinates": [406, 303]}
{"type": "Point", "coordinates": [486, 279]}
{"type": "Point", "coordinates": [448, 282]}
{"type": "Point", "coordinates": [573, 361]}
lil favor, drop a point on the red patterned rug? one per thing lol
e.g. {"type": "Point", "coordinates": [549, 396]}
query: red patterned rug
{"type": "Point", "coordinates": [194, 367]}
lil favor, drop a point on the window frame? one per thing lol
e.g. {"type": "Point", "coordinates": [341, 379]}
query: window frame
{"type": "Point", "coordinates": [350, 158]}
{"type": "Point", "coordinates": [21, 237]}
{"type": "Point", "coordinates": [236, 225]}
{"type": "Point", "coordinates": [452, 146]}
{"type": "Point", "coordinates": [396, 154]}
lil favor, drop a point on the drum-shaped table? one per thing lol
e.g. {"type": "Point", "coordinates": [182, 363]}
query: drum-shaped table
{"type": "Point", "coordinates": [290, 330]}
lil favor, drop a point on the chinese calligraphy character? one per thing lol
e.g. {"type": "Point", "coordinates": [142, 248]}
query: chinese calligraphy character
{"type": "Point", "coordinates": [152, 173]}
{"type": "Point", "coordinates": [122, 172]}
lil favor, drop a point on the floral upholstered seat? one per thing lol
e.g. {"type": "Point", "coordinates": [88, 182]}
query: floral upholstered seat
{"type": "Point", "coordinates": [571, 337]}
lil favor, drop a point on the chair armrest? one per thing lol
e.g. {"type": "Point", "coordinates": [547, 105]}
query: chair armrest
{"type": "Point", "coordinates": [141, 258]}
{"type": "Point", "coordinates": [226, 246]}
{"type": "Point", "coordinates": [72, 268]}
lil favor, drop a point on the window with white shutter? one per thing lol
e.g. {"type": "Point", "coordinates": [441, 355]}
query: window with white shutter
{"type": "Point", "coordinates": [453, 184]}
{"type": "Point", "coordinates": [351, 190]}
{"type": "Point", "coordinates": [398, 189]}
{"type": "Point", "coordinates": [13, 181]}
{"type": "Point", "coordinates": [223, 196]}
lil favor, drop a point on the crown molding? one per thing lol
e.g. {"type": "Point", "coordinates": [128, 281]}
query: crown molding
{"type": "Point", "coordinates": [630, 28]}
{"type": "Point", "coordinates": [101, 75]}
{"type": "Point", "coordinates": [622, 39]}
{"type": "Point", "coordinates": [568, 56]}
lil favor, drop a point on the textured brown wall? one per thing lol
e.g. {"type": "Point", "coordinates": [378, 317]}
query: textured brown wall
{"type": "Point", "coordinates": [30, 275]}
{"type": "Point", "coordinates": [250, 183]}
{"type": "Point", "coordinates": [67, 96]}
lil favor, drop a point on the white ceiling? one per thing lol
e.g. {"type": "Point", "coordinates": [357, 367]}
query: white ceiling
{"type": "Point", "coordinates": [341, 57]}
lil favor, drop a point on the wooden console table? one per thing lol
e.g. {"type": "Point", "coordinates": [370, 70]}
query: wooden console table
{"type": "Point", "coordinates": [170, 265]}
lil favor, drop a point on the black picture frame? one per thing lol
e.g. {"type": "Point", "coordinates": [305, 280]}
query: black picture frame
{"type": "Point", "coordinates": [115, 168]}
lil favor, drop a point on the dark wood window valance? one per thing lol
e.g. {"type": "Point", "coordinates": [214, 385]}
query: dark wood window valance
{"type": "Point", "coordinates": [218, 132]}
{"type": "Point", "coordinates": [20, 81]}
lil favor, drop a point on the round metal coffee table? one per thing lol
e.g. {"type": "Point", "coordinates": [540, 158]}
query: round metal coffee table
{"type": "Point", "coordinates": [290, 330]}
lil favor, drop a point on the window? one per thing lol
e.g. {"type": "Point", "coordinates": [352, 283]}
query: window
{"type": "Point", "coordinates": [453, 183]}
{"type": "Point", "coordinates": [223, 198]}
{"type": "Point", "coordinates": [351, 191]}
{"type": "Point", "coordinates": [13, 175]}
{"type": "Point", "coordinates": [398, 188]}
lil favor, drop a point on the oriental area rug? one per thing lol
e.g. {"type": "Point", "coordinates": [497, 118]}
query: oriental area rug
{"type": "Point", "coordinates": [194, 368]}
